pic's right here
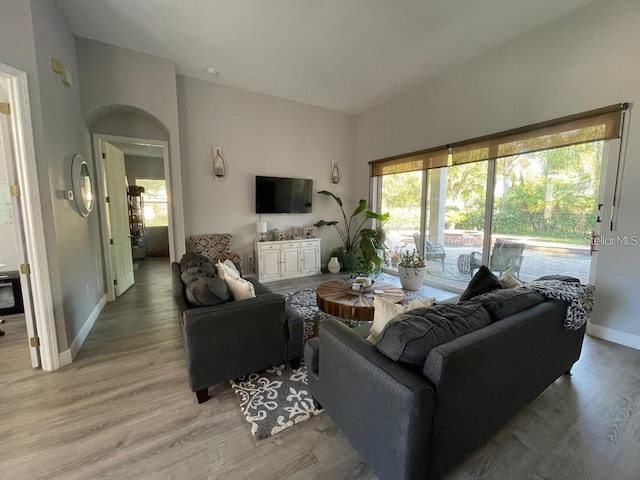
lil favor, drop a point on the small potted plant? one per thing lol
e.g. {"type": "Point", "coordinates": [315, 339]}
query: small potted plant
{"type": "Point", "coordinates": [411, 270]}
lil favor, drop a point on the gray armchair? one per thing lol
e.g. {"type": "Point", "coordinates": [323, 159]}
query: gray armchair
{"type": "Point", "coordinates": [505, 255]}
{"type": "Point", "coordinates": [432, 252]}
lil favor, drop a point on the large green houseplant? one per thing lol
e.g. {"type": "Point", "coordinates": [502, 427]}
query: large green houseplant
{"type": "Point", "coordinates": [358, 241]}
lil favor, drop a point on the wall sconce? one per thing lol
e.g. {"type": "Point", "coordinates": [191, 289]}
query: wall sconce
{"type": "Point", "coordinates": [261, 229]}
{"type": "Point", "coordinates": [219, 165]}
{"type": "Point", "coordinates": [335, 172]}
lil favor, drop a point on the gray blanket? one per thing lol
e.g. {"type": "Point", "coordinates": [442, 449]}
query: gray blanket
{"type": "Point", "coordinates": [580, 297]}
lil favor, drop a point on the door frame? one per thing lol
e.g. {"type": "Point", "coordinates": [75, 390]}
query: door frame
{"type": "Point", "coordinates": [32, 222]}
{"type": "Point", "coordinates": [101, 184]}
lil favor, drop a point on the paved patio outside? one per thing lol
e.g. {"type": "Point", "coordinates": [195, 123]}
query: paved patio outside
{"type": "Point", "coordinates": [539, 259]}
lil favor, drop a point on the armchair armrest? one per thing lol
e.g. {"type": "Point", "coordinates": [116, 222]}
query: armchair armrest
{"type": "Point", "coordinates": [383, 407]}
{"type": "Point", "coordinates": [228, 340]}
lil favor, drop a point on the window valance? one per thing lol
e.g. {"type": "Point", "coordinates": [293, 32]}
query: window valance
{"type": "Point", "coordinates": [600, 124]}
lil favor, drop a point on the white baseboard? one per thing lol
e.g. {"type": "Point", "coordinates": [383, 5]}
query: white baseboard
{"type": "Point", "coordinates": [64, 358]}
{"type": "Point", "coordinates": [615, 336]}
{"type": "Point", "coordinates": [85, 330]}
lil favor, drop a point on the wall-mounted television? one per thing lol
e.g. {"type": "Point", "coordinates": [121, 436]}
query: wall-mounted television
{"type": "Point", "coordinates": [283, 195]}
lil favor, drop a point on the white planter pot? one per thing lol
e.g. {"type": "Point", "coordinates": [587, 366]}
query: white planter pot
{"type": "Point", "coordinates": [411, 278]}
{"type": "Point", "coordinates": [334, 265]}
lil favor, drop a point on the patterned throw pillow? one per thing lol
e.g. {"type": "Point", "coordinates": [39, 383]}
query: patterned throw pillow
{"type": "Point", "coordinates": [215, 246]}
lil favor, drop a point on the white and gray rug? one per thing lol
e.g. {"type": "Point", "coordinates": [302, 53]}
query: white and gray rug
{"type": "Point", "coordinates": [278, 397]}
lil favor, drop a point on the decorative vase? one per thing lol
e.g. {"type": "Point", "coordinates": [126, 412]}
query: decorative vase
{"type": "Point", "coordinates": [411, 278]}
{"type": "Point", "coordinates": [334, 265]}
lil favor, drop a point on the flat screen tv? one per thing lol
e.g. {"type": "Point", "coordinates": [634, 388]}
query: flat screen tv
{"type": "Point", "coordinates": [283, 195]}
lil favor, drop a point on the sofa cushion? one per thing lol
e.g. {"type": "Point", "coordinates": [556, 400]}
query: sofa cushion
{"type": "Point", "coordinates": [482, 282]}
{"type": "Point", "coordinates": [385, 311]}
{"type": "Point", "coordinates": [411, 337]}
{"type": "Point", "coordinates": [207, 291]}
{"type": "Point", "coordinates": [504, 302]}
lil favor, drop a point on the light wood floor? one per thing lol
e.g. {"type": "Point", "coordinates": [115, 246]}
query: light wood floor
{"type": "Point", "coordinates": [123, 410]}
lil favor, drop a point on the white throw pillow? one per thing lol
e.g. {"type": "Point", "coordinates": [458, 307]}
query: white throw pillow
{"type": "Point", "coordinates": [225, 270]}
{"type": "Point", "coordinates": [385, 311]}
{"type": "Point", "coordinates": [240, 288]}
{"type": "Point", "coordinates": [509, 279]}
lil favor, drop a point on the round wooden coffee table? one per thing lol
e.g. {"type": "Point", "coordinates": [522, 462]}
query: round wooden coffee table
{"type": "Point", "coordinates": [337, 298]}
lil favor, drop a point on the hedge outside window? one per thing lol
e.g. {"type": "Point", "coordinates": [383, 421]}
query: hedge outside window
{"type": "Point", "coordinates": [156, 210]}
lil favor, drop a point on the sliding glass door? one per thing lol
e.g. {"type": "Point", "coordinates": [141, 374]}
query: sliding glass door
{"type": "Point", "coordinates": [543, 212]}
{"type": "Point", "coordinates": [546, 201]}
{"type": "Point", "coordinates": [401, 195]}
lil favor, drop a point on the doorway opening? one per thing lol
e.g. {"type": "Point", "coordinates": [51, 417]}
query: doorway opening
{"type": "Point", "coordinates": [136, 221]}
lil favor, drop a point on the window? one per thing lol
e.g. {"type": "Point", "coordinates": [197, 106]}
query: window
{"type": "Point", "coordinates": [156, 209]}
{"type": "Point", "coordinates": [534, 188]}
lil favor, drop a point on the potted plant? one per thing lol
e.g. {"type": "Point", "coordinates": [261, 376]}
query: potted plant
{"type": "Point", "coordinates": [358, 241]}
{"type": "Point", "coordinates": [411, 270]}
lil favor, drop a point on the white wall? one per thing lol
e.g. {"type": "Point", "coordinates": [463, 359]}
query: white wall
{"type": "Point", "coordinates": [75, 250]}
{"type": "Point", "coordinates": [260, 135]}
{"type": "Point", "coordinates": [113, 76]}
{"type": "Point", "coordinates": [584, 61]}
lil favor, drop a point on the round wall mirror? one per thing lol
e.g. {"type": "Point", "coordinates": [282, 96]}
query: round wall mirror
{"type": "Point", "coordinates": [81, 183]}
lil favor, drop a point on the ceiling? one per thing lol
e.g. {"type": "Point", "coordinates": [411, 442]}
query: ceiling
{"type": "Point", "coordinates": [346, 55]}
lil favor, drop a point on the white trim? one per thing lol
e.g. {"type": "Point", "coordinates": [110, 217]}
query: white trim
{"type": "Point", "coordinates": [65, 358]}
{"type": "Point", "coordinates": [82, 335]}
{"type": "Point", "coordinates": [101, 184]}
{"type": "Point", "coordinates": [615, 336]}
{"type": "Point", "coordinates": [33, 224]}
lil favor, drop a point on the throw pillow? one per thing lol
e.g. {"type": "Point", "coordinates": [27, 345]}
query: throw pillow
{"type": "Point", "coordinates": [232, 266]}
{"type": "Point", "coordinates": [192, 257]}
{"type": "Point", "coordinates": [411, 337]}
{"type": "Point", "coordinates": [241, 289]}
{"type": "Point", "coordinates": [504, 302]}
{"type": "Point", "coordinates": [509, 279]}
{"type": "Point", "coordinates": [386, 311]}
{"type": "Point", "coordinates": [225, 271]}
{"type": "Point", "coordinates": [207, 291]}
{"type": "Point", "coordinates": [482, 282]}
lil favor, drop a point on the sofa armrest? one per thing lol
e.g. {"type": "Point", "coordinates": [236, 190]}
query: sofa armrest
{"type": "Point", "coordinates": [383, 407]}
{"type": "Point", "coordinates": [484, 378]}
{"type": "Point", "coordinates": [231, 339]}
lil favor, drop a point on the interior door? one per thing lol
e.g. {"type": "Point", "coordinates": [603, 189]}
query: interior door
{"type": "Point", "coordinates": [120, 238]}
{"type": "Point", "coordinates": [11, 214]}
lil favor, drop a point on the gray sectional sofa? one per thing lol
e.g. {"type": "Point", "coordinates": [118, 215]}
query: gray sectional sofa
{"type": "Point", "coordinates": [421, 413]}
{"type": "Point", "coordinates": [224, 338]}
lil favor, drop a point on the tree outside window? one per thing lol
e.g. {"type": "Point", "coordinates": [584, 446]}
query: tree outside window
{"type": "Point", "coordinates": [156, 209]}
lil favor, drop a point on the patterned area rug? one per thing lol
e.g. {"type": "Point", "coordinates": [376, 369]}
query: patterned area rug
{"type": "Point", "coordinates": [278, 397]}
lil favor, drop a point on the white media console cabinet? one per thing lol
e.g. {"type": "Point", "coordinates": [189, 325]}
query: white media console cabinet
{"type": "Point", "coordinates": [287, 259]}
